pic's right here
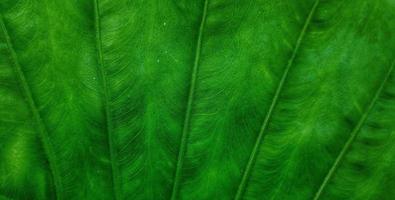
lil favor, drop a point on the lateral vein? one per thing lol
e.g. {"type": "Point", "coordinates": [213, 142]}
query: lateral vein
{"type": "Point", "coordinates": [187, 119]}
{"type": "Point", "coordinates": [43, 133]}
{"type": "Point", "coordinates": [246, 174]}
{"type": "Point", "coordinates": [105, 96]}
{"type": "Point", "coordinates": [353, 134]}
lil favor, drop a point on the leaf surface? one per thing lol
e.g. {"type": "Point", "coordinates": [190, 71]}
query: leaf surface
{"type": "Point", "coordinates": [204, 99]}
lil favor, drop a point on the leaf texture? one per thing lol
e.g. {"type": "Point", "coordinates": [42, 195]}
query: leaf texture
{"type": "Point", "coordinates": [200, 100]}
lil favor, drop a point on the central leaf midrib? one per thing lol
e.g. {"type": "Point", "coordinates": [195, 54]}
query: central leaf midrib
{"type": "Point", "coordinates": [186, 125]}
{"type": "Point", "coordinates": [105, 96]}
{"type": "Point", "coordinates": [246, 174]}
{"type": "Point", "coordinates": [353, 134]}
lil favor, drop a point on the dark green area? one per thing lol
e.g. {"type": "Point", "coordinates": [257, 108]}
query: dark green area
{"type": "Point", "coordinates": [197, 99]}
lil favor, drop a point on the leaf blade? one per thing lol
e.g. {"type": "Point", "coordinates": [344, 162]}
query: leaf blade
{"type": "Point", "coordinates": [108, 119]}
{"type": "Point", "coordinates": [354, 133]}
{"type": "Point", "coordinates": [251, 161]}
{"type": "Point", "coordinates": [186, 126]}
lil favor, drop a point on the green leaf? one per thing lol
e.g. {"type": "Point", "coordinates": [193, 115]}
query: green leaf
{"type": "Point", "coordinates": [203, 99]}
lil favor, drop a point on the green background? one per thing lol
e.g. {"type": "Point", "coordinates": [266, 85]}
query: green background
{"type": "Point", "coordinates": [197, 99]}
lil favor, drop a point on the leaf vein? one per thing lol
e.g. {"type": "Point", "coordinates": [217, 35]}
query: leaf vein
{"type": "Point", "coordinates": [43, 133]}
{"type": "Point", "coordinates": [105, 96]}
{"type": "Point", "coordinates": [187, 119]}
{"type": "Point", "coordinates": [246, 174]}
{"type": "Point", "coordinates": [353, 134]}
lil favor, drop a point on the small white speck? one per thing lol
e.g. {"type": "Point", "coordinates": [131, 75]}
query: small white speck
{"type": "Point", "coordinates": [94, 78]}
{"type": "Point", "coordinates": [158, 61]}
{"type": "Point", "coordinates": [164, 23]}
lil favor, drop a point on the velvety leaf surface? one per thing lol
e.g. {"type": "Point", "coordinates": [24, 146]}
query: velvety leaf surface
{"type": "Point", "coordinates": [200, 100]}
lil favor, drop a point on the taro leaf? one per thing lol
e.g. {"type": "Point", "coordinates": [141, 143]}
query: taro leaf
{"type": "Point", "coordinates": [197, 99]}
